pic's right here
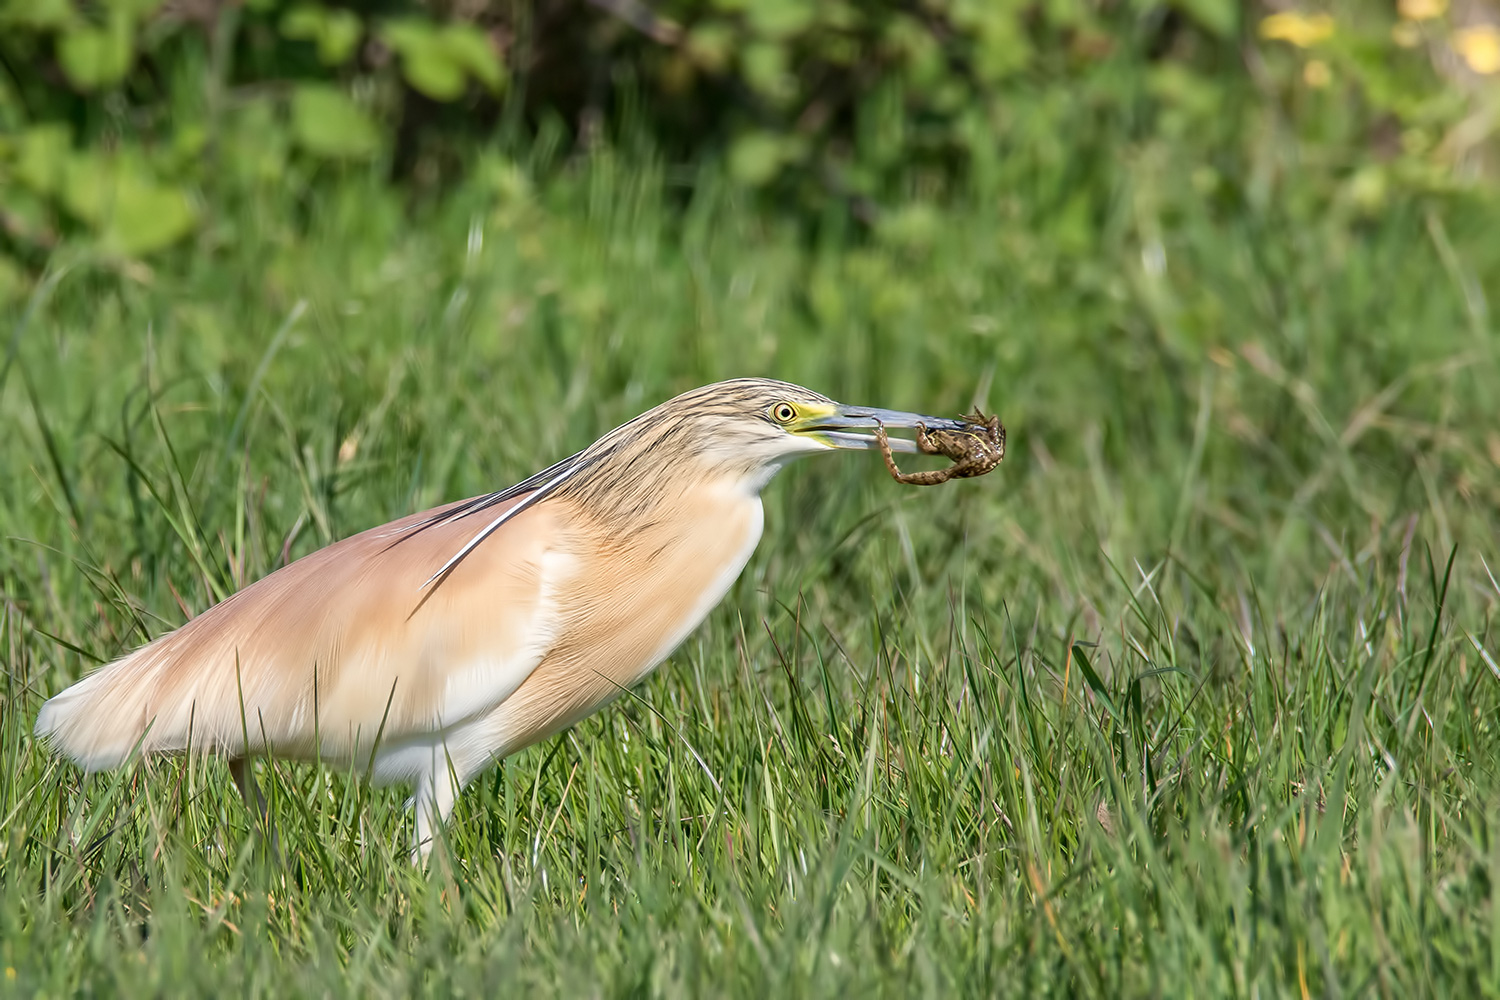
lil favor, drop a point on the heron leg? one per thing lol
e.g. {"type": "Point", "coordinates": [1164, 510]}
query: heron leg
{"type": "Point", "coordinates": [437, 791]}
{"type": "Point", "coordinates": [243, 772]}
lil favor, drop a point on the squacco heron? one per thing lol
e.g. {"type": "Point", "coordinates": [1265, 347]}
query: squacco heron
{"type": "Point", "coordinates": [426, 649]}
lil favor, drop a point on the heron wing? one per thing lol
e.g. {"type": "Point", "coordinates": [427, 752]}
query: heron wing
{"type": "Point", "coordinates": [338, 649]}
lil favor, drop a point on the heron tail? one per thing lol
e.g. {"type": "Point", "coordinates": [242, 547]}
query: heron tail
{"type": "Point", "coordinates": [101, 720]}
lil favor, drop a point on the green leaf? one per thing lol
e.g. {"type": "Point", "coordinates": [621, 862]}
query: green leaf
{"type": "Point", "coordinates": [432, 71]}
{"type": "Point", "coordinates": [471, 48]}
{"type": "Point", "coordinates": [42, 152]}
{"type": "Point", "coordinates": [1091, 677]}
{"type": "Point", "coordinates": [438, 61]}
{"type": "Point", "coordinates": [403, 33]}
{"type": "Point", "coordinates": [303, 24]}
{"type": "Point", "coordinates": [424, 61]}
{"type": "Point", "coordinates": [326, 122]}
{"type": "Point", "coordinates": [97, 57]}
{"type": "Point", "coordinates": [147, 216]}
{"type": "Point", "coordinates": [755, 158]}
{"type": "Point", "coordinates": [130, 210]}
{"type": "Point", "coordinates": [336, 32]}
{"type": "Point", "coordinates": [86, 187]}
{"type": "Point", "coordinates": [765, 67]}
{"type": "Point", "coordinates": [780, 18]}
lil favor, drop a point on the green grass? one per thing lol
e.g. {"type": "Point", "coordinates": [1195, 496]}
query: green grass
{"type": "Point", "coordinates": [1196, 695]}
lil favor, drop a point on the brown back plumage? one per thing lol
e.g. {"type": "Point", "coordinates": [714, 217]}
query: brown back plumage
{"type": "Point", "coordinates": [333, 645]}
{"type": "Point", "coordinates": [421, 625]}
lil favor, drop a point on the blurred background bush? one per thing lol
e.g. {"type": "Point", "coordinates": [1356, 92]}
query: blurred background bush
{"type": "Point", "coordinates": [124, 122]}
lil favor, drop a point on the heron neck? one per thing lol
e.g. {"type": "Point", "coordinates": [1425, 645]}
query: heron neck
{"type": "Point", "coordinates": [627, 492]}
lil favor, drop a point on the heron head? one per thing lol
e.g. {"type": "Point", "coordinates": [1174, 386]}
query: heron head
{"type": "Point", "coordinates": [741, 431]}
{"type": "Point", "coordinates": [754, 426]}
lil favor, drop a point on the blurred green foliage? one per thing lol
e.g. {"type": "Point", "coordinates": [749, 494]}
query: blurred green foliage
{"type": "Point", "coordinates": [121, 120]}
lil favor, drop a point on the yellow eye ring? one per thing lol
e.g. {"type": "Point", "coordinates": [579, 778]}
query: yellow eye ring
{"type": "Point", "coordinates": [783, 413]}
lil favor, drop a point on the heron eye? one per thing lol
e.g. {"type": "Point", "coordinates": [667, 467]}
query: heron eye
{"type": "Point", "coordinates": [783, 413]}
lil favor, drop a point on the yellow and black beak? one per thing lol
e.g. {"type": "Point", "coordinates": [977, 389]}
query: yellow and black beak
{"type": "Point", "coordinates": [851, 427]}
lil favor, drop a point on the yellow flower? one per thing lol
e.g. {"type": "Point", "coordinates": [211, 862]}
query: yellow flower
{"type": "Point", "coordinates": [1480, 48]}
{"type": "Point", "coordinates": [1302, 30]}
{"type": "Point", "coordinates": [1422, 10]}
{"type": "Point", "coordinates": [1316, 74]}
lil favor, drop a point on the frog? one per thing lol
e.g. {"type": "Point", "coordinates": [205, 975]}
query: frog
{"type": "Point", "coordinates": [975, 450]}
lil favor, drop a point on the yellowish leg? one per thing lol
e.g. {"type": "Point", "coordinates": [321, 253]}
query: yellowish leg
{"type": "Point", "coordinates": [243, 772]}
{"type": "Point", "coordinates": [435, 795]}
